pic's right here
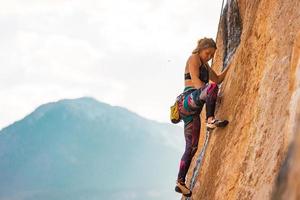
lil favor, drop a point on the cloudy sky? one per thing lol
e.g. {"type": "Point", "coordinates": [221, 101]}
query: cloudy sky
{"type": "Point", "coordinates": [129, 53]}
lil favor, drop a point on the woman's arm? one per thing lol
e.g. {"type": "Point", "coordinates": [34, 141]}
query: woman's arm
{"type": "Point", "coordinates": [223, 74]}
{"type": "Point", "coordinates": [194, 64]}
{"type": "Point", "coordinates": [217, 78]}
{"type": "Point", "coordinates": [212, 74]}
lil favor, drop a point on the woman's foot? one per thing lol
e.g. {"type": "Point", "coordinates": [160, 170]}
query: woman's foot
{"type": "Point", "coordinates": [212, 124]}
{"type": "Point", "coordinates": [182, 188]}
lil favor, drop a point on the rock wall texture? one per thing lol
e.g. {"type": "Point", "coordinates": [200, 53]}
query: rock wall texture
{"type": "Point", "coordinates": [288, 182]}
{"type": "Point", "coordinates": [260, 98]}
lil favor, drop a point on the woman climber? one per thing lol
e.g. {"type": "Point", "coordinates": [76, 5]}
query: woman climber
{"type": "Point", "coordinates": [197, 92]}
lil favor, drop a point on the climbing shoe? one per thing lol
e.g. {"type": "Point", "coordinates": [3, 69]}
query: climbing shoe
{"type": "Point", "coordinates": [216, 123]}
{"type": "Point", "coordinates": [182, 188]}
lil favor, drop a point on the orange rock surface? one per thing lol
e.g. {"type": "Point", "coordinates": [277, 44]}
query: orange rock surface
{"type": "Point", "coordinates": [261, 99]}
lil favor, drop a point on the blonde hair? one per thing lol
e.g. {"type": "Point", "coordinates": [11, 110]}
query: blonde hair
{"type": "Point", "coordinates": [204, 43]}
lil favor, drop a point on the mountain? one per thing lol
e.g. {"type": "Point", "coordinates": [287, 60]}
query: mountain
{"type": "Point", "coordinates": [85, 149]}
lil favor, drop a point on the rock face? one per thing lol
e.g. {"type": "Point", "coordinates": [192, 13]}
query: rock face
{"type": "Point", "coordinates": [288, 181]}
{"type": "Point", "coordinates": [261, 98]}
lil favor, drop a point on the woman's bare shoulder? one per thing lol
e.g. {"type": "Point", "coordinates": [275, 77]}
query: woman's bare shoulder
{"type": "Point", "coordinates": [194, 59]}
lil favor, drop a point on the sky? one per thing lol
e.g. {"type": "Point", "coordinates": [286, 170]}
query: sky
{"type": "Point", "coordinates": [128, 53]}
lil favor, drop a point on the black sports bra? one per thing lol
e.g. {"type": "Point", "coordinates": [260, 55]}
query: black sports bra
{"type": "Point", "coordinates": [203, 74]}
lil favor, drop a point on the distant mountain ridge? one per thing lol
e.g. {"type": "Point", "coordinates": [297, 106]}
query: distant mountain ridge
{"type": "Point", "coordinates": [86, 145]}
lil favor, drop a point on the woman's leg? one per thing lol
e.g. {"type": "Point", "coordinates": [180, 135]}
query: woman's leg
{"type": "Point", "coordinates": [191, 134]}
{"type": "Point", "coordinates": [194, 101]}
{"type": "Point", "coordinates": [209, 95]}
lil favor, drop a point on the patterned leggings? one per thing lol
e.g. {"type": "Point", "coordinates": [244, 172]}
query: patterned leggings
{"type": "Point", "coordinates": [190, 106]}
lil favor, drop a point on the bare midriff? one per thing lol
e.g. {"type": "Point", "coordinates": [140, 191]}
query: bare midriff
{"type": "Point", "coordinates": [188, 83]}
